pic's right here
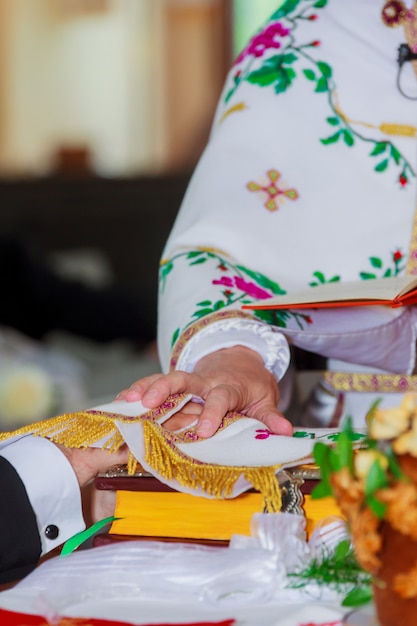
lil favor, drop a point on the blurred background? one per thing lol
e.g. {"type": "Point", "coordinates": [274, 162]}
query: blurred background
{"type": "Point", "coordinates": [105, 108]}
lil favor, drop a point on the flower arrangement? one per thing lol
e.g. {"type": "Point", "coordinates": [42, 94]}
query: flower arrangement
{"type": "Point", "coordinates": [376, 490]}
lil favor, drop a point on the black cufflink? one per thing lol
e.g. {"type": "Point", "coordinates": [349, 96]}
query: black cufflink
{"type": "Point", "coordinates": [51, 531]}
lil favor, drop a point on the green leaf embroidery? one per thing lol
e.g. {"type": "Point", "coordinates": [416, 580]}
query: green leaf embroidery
{"type": "Point", "coordinates": [367, 276]}
{"type": "Point", "coordinates": [331, 139]}
{"type": "Point", "coordinates": [265, 75]}
{"type": "Point", "coordinates": [379, 148]}
{"type": "Point", "coordinates": [287, 7]}
{"type": "Point", "coordinates": [396, 155]}
{"type": "Point", "coordinates": [262, 280]}
{"type": "Point", "coordinates": [375, 261]}
{"type": "Point", "coordinates": [320, 4]}
{"type": "Point", "coordinates": [309, 74]}
{"type": "Point", "coordinates": [202, 312]}
{"type": "Point", "coordinates": [348, 138]}
{"type": "Point", "coordinates": [194, 253]}
{"type": "Point", "coordinates": [198, 261]}
{"type": "Point", "coordinates": [325, 69]}
{"type": "Point", "coordinates": [175, 337]}
{"type": "Point", "coordinates": [333, 121]}
{"type": "Point", "coordinates": [204, 303]}
{"type": "Point", "coordinates": [382, 166]}
{"type": "Point", "coordinates": [322, 85]}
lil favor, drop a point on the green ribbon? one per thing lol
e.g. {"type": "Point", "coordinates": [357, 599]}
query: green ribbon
{"type": "Point", "coordinates": [74, 542]}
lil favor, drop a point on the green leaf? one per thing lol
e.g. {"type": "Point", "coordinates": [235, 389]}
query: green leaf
{"type": "Point", "coordinates": [348, 138]}
{"type": "Point", "coordinates": [325, 69]}
{"type": "Point", "coordinates": [388, 273]}
{"type": "Point", "coordinates": [379, 148]}
{"type": "Point", "coordinates": [262, 280]}
{"type": "Point", "coordinates": [320, 4]}
{"type": "Point", "coordinates": [287, 7]}
{"type": "Point", "coordinates": [309, 74]}
{"type": "Point", "coordinates": [320, 276]}
{"type": "Point", "coordinates": [333, 121]}
{"type": "Point", "coordinates": [375, 261]}
{"type": "Point", "coordinates": [367, 276]}
{"type": "Point", "coordinates": [334, 279]}
{"type": "Point", "coordinates": [289, 57]}
{"type": "Point", "coordinates": [198, 261]}
{"type": "Point", "coordinates": [166, 268]}
{"type": "Point", "coordinates": [265, 76]}
{"type": "Point", "coordinates": [396, 155]}
{"type": "Point", "coordinates": [285, 79]}
{"type": "Point", "coordinates": [194, 253]}
{"type": "Point", "coordinates": [218, 305]}
{"type": "Point", "coordinates": [345, 450]}
{"type": "Point", "coordinates": [175, 336]}
{"type": "Point", "coordinates": [382, 166]}
{"type": "Point", "coordinates": [331, 139]}
{"type": "Point", "coordinates": [394, 465]}
{"type": "Point", "coordinates": [358, 596]}
{"type": "Point", "coordinates": [202, 312]}
{"type": "Point", "coordinates": [321, 86]}
{"type": "Point", "coordinates": [322, 490]}
{"type": "Point", "coordinates": [342, 549]}
{"type": "Point", "coordinates": [301, 434]}
{"type": "Point", "coordinates": [229, 94]}
{"type": "Point", "coordinates": [378, 508]}
{"type": "Point", "coordinates": [375, 479]}
{"type": "Point", "coordinates": [204, 303]}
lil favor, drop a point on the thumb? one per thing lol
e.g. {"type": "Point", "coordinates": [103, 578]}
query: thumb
{"type": "Point", "coordinates": [274, 420]}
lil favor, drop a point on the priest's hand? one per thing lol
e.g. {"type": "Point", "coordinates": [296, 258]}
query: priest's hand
{"type": "Point", "coordinates": [231, 379]}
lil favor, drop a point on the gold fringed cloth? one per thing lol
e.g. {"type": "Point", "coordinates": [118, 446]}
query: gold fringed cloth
{"type": "Point", "coordinates": [242, 454]}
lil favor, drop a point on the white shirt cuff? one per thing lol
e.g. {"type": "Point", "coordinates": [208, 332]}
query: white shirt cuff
{"type": "Point", "coordinates": [51, 485]}
{"type": "Point", "coordinates": [261, 338]}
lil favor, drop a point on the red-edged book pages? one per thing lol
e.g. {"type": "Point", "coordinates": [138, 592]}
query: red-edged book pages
{"type": "Point", "coordinates": [393, 291]}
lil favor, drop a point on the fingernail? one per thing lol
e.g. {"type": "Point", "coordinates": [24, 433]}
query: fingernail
{"type": "Point", "coordinates": [204, 428]}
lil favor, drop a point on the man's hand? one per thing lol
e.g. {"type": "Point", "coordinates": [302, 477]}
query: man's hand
{"type": "Point", "coordinates": [88, 462]}
{"type": "Point", "coordinates": [232, 379]}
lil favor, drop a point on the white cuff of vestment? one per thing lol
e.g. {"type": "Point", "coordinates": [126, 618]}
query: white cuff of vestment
{"type": "Point", "coordinates": [51, 485]}
{"type": "Point", "coordinates": [270, 344]}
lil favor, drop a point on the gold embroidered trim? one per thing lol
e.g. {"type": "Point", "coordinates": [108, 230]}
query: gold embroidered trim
{"type": "Point", "coordinates": [222, 253]}
{"type": "Point", "coordinates": [239, 106]}
{"type": "Point", "coordinates": [192, 330]}
{"type": "Point", "coordinates": [388, 128]}
{"type": "Point", "coordinates": [379, 383]}
{"type": "Point", "coordinates": [215, 480]}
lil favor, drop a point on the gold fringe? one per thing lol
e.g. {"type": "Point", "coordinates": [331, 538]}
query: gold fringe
{"type": "Point", "coordinates": [83, 429]}
{"type": "Point", "coordinates": [215, 480]}
{"type": "Point", "coordinates": [74, 430]}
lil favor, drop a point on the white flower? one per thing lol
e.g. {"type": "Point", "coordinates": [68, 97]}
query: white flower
{"type": "Point", "coordinates": [26, 395]}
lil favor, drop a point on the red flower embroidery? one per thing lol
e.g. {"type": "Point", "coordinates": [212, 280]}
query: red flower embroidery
{"type": "Point", "coordinates": [315, 43]}
{"type": "Point", "coordinates": [397, 256]}
{"type": "Point", "coordinates": [263, 433]}
{"type": "Point", "coordinates": [224, 280]}
{"type": "Point", "coordinates": [251, 289]}
{"type": "Point", "coordinates": [247, 287]}
{"type": "Point", "coordinates": [403, 180]}
{"type": "Point", "coordinates": [269, 38]}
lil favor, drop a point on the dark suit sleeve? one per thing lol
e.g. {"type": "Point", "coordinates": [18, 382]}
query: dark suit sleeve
{"type": "Point", "coordinates": [20, 544]}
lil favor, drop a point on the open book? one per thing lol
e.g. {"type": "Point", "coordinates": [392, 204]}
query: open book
{"type": "Point", "coordinates": [393, 291]}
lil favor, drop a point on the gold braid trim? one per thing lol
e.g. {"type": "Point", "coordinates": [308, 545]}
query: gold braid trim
{"type": "Point", "coordinates": [380, 383]}
{"type": "Point", "coordinates": [193, 329]}
{"type": "Point", "coordinates": [75, 430]}
{"type": "Point", "coordinates": [215, 480]}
